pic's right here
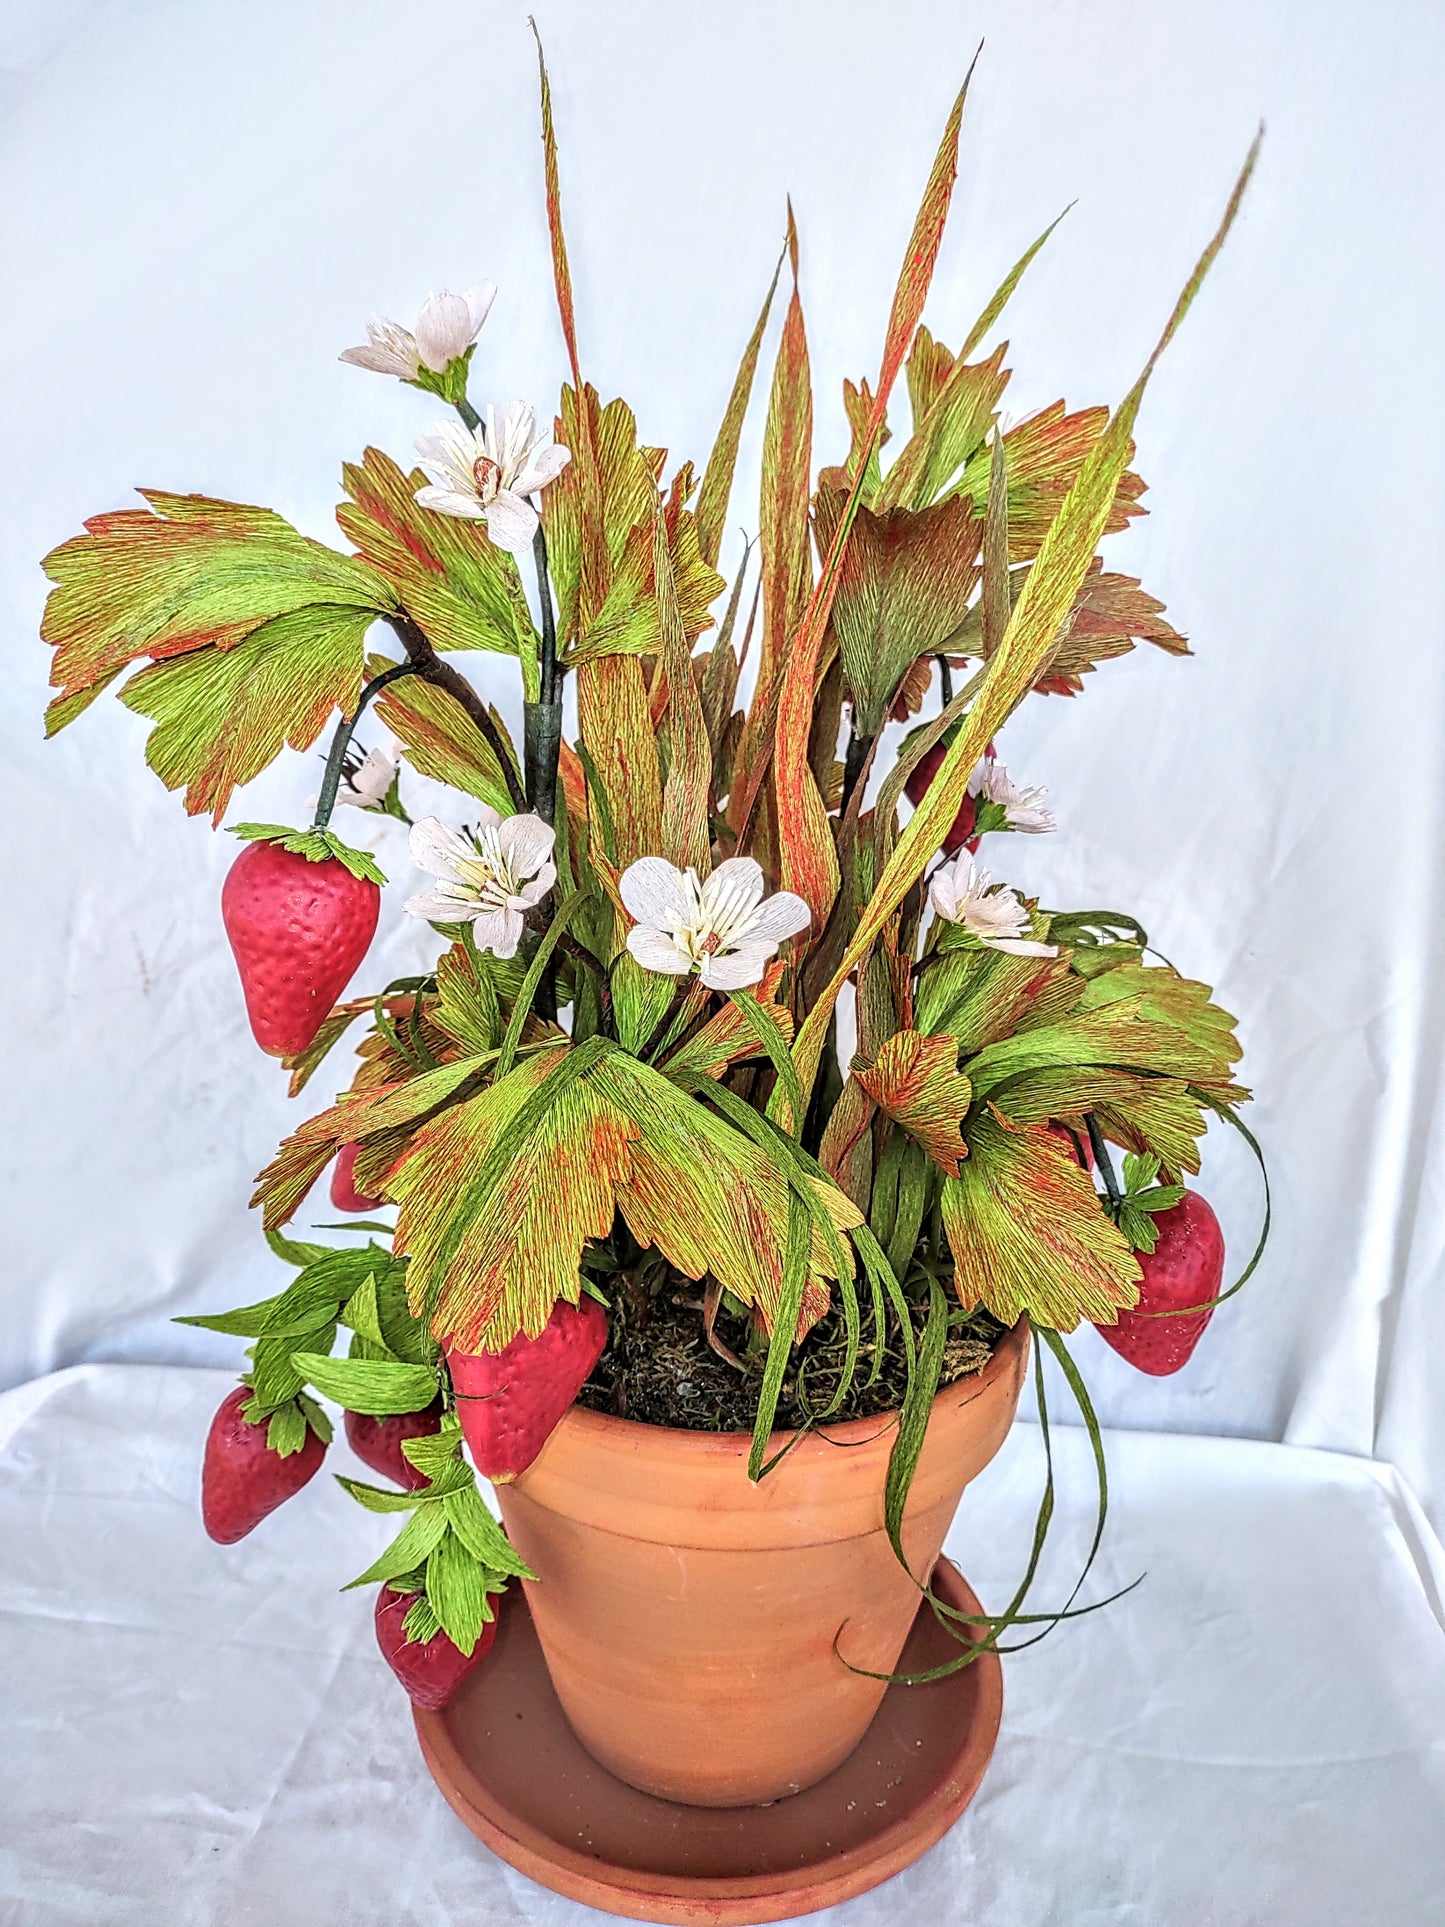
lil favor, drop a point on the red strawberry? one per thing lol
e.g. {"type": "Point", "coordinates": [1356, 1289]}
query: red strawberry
{"type": "Point", "coordinates": [1184, 1268]}
{"type": "Point", "coordinates": [242, 1479]}
{"type": "Point", "coordinates": [431, 1670]}
{"type": "Point", "coordinates": [344, 1194]}
{"type": "Point", "coordinates": [298, 930]}
{"type": "Point", "coordinates": [1078, 1143]}
{"type": "Point", "coordinates": [377, 1442]}
{"type": "Point", "coordinates": [917, 787]}
{"type": "Point", "coordinates": [509, 1401]}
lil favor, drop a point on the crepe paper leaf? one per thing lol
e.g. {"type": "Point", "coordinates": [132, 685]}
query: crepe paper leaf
{"type": "Point", "coordinates": [717, 480]}
{"type": "Point", "coordinates": [186, 574]}
{"type": "Point", "coordinates": [1156, 1116]}
{"type": "Point", "coordinates": [916, 1080]}
{"type": "Point", "coordinates": [978, 996]}
{"type": "Point", "coordinates": [1028, 1234]}
{"type": "Point", "coordinates": [996, 604]}
{"type": "Point", "coordinates": [1142, 1197]}
{"type": "Point", "coordinates": [641, 1000]}
{"type": "Point", "coordinates": [379, 1390]}
{"type": "Point", "coordinates": [1123, 1033]}
{"type": "Point", "coordinates": [845, 1134]}
{"type": "Point", "coordinates": [456, 1591]}
{"type": "Point", "coordinates": [440, 740]}
{"type": "Point", "coordinates": [317, 846]}
{"type": "Point", "coordinates": [780, 1345]}
{"type": "Point", "coordinates": [1207, 1032]}
{"type": "Point", "coordinates": [293, 1251]}
{"type": "Point", "coordinates": [1110, 614]}
{"type": "Point", "coordinates": [1046, 454]}
{"type": "Point", "coordinates": [304, 1065]}
{"type": "Point", "coordinates": [616, 724]}
{"type": "Point", "coordinates": [378, 1498]}
{"type": "Point", "coordinates": [223, 715]}
{"type": "Point", "coordinates": [304, 1155]}
{"type": "Point", "coordinates": [686, 830]}
{"type": "Point", "coordinates": [482, 1535]}
{"type": "Point", "coordinates": [286, 1431]}
{"type": "Point", "coordinates": [913, 1420]}
{"type": "Point", "coordinates": [316, 1419]}
{"type": "Point", "coordinates": [905, 581]}
{"type": "Point", "coordinates": [412, 1546]}
{"type": "Point", "coordinates": [953, 428]}
{"type": "Point", "coordinates": [324, 1283]}
{"type": "Point", "coordinates": [541, 957]}
{"type": "Point", "coordinates": [767, 1032]}
{"type": "Point", "coordinates": [454, 582]}
{"type": "Point", "coordinates": [785, 542]}
{"type": "Point", "coordinates": [1063, 562]}
{"type": "Point", "coordinates": [437, 1455]}
{"type": "Point", "coordinates": [273, 1377]}
{"type": "Point", "coordinates": [1089, 928]}
{"type": "Point", "coordinates": [728, 1038]}
{"type": "Point", "coordinates": [1003, 294]}
{"type": "Point", "coordinates": [468, 1007]}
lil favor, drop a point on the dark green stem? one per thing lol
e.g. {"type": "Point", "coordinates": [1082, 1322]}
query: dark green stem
{"type": "Point", "coordinates": [469, 414]}
{"type": "Point", "coordinates": [855, 762]}
{"type": "Point", "coordinates": [341, 742]}
{"type": "Point", "coordinates": [424, 661]}
{"type": "Point", "coordinates": [1104, 1161]}
{"type": "Point", "coordinates": [945, 680]}
{"type": "Point", "coordinates": [542, 724]}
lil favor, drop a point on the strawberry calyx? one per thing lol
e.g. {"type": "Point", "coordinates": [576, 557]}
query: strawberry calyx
{"type": "Point", "coordinates": [317, 846]}
{"type": "Point", "coordinates": [1134, 1206]}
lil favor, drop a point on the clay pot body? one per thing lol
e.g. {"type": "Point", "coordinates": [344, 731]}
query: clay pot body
{"type": "Point", "coordinates": [688, 1617]}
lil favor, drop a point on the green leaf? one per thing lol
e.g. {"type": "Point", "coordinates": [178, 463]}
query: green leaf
{"type": "Point", "coordinates": [1028, 1234]}
{"type": "Point", "coordinates": [784, 1333]}
{"type": "Point", "coordinates": [456, 1589]}
{"type": "Point", "coordinates": [421, 1623]}
{"type": "Point", "coordinates": [286, 1431]}
{"type": "Point", "coordinates": [436, 1455]}
{"type": "Point", "coordinates": [521, 1009]}
{"type": "Point", "coordinates": [190, 577]}
{"type": "Point", "coordinates": [377, 1498]}
{"type": "Point", "coordinates": [640, 1000]}
{"type": "Point", "coordinates": [441, 740]}
{"type": "Point", "coordinates": [316, 1419]}
{"type": "Point", "coordinates": [913, 1419]}
{"type": "Point", "coordinates": [294, 1252]}
{"type": "Point", "coordinates": [223, 715]}
{"type": "Point", "coordinates": [471, 1519]}
{"type": "Point", "coordinates": [359, 1385]}
{"type": "Point", "coordinates": [765, 1028]}
{"type": "Point", "coordinates": [412, 1547]}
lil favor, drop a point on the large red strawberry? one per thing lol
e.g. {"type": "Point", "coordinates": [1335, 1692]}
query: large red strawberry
{"type": "Point", "coordinates": [377, 1442]}
{"type": "Point", "coordinates": [242, 1479]}
{"type": "Point", "coordinates": [298, 930]}
{"type": "Point", "coordinates": [431, 1670]}
{"type": "Point", "coordinates": [344, 1194]}
{"type": "Point", "coordinates": [1185, 1268]}
{"type": "Point", "coordinates": [509, 1401]}
{"type": "Point", "coordinates": [918, 786]}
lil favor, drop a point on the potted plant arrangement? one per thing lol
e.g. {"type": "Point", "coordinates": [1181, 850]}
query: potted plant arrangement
{"type": "Point", "coordinates": [745, 1136]}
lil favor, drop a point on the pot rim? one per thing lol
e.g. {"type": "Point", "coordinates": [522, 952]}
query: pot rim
{"type": "Point", "coordinates": [853, 1431]}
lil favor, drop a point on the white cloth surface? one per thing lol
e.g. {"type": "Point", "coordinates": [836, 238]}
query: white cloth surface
{"type": "Point", "coordinates": [207, 1736]}
{"type": "Point", "coordinates": [200, 204]}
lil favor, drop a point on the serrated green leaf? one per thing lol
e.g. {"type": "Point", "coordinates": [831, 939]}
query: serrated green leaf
{"type": "Point", "coordinates": [412, 1547]}
{"type": "Point", "coordinates": [315, 1418]}
{"type": "Point", "coordinates": [471, 1519]}
{"type": "Point", "coordinates": [421, 1623]}
{"type": "Point", "coordinates": [377, 1389]}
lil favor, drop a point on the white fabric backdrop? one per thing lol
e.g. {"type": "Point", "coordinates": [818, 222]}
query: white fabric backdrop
{"type": "Point", "coordinates": [200, 203]}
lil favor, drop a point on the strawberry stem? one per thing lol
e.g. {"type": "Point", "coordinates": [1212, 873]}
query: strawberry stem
{"type": "Point", "coordinates": [1104, 1162]}
{"type": "Point", "coordinates": [341, 742]}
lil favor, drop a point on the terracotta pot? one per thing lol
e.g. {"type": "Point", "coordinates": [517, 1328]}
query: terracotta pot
{"type": "Point", "coordinates": [688, 1617]}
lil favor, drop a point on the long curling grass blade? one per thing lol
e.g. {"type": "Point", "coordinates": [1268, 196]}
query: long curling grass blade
{"type": "Point", "coordinates": [913, 1419]}
{"type": "Point", "coordinates": [785, 1331]}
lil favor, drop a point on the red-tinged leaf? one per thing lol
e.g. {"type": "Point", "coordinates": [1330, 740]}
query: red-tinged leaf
{"type": "Point", "coordinates": [717, 478]}
{"type": "Point", "coordinates": [1045, 455]}
{"type": "Point", "coordinates": [185, 574]}
{"type": "Point", "coordinates": [223, 715]}
{"type": "Point", "coordinates": [728, 1038]}
{"type": "Point", "coordinates": [954, 427]}
{"type": "Point", "coordinates": [905, 582]}
{"type": "Point", "coordinates": [846, 1152]}
{"type": "Point", "coordinates": [452, 579]}
{"type": "Point", "coordinates": [809, 858]}
{"type": "Point", "coordinates": [686, 833]}
{"type": "Point", "coordinates": [785, 541]}
{"type": "Point", "coordinates": [1028, 1234]}
{"type": "Point", "coordinates": [1110, 614]}
{"type": "Point", "coordinates": [1064, 559]}
{"type": "Point", "coordinates": [916, 1080]}
{"type": "Point", "coordinates": [616, 725]}
{"type": "Point", "coordinates": [441, 741]}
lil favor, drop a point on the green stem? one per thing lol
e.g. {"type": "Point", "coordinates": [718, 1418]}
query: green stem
{"type": "Point", "coordinates": [341, 742]}
{"type": "Point", "coordinates": [542, 720]}
{"type": "Point", "coordinates": [468, 414]}
{"type": "Point", "coordinates": [1104, 1162]}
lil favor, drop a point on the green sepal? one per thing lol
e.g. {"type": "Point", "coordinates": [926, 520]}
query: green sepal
{"type": "Point", "coordinates": [1142, 1197]}
{"type": "Point", "coordinates": [376, 1498]}
{"type": "Point", "coordinates": [377, 1389]}
{"type": "Point", "coordinates": [449, 383]}
{"type": "Point", "coordinates": [317, 846]}
{"type": "Point", "coordinates": [411, 1547]}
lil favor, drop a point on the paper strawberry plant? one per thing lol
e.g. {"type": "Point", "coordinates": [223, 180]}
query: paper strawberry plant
{"type": "Point", "coordinates": [726, 992]}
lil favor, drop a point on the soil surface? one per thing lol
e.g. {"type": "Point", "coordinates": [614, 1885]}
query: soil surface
{"type": "Point", "coordinates": [664, 1372]}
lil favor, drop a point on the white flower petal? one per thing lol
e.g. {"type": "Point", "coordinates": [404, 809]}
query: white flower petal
{"type": "Point", "coordinates": [1020, 946]}
{"type": "Point", "coordinates": [741, 873]}
{"type": "Point", "coordinates": [479, 304]}
{"type": "Point", "coordinates": [654, 891]}
{"type": "Point", "coordinates": [499, 931]}
{"type": "Point", "coordinates": [437, 849]}
{"type": "Point", "coordinates": [737, 969]}
{"type": "Point", "coordinates": [534, 891]}
{"type": "Point", "coordinates": [776, 917]}
{"type": "Point", "coordinates": [380, 361]}
{"type": "Point", "coordinates": [511, 522]}
{"type": "Point", "coordinates": [435, 906]}
{"type": "Point", "coordinates": [655, 951]}
{"type": "Point", "coordinates": [526, 842]}
{"type": "Point", "coordinates": [444, 329]}
{"type": "Point", "coordinates": [542, 466]}
{"type": "Point", "coordinates": [447, 501]}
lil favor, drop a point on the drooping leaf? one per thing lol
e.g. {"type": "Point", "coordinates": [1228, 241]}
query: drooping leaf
{"type": "Point", "coordinates": [223, 714]}
{"type": "Point", "coordinates": [1028, 1234]}
{"type": "Point", "coordinates": [916, 1080]}
{"type": "Point", "coordinates": [361, 1385]}
{"type": "Point", "coordinates": [187, 574]}
{"type": "Point", "coordinates": [440, 740]}
{"type": "Point", "coordinates": [448, 574]}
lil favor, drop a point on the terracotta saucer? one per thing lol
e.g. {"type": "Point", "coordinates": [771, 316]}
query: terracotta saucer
{"type": "Point", "coordinates": [514, 1772]}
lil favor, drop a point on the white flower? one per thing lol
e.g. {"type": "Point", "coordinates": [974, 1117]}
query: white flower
{"type": "Point", "coordinates": [961, 893]}
{"type": "Point", "coordinates": [490, 881]}
{"type": "Point", "coordinates": [723, 929]}
{"type": "Point", "coordinates": [1023, 808]}
{"type": "Point", "coordinates": [364, 785]}
{"type": "Point", "coordinates": [446, 327]}
{"type": "Point", "coordinates": [488, 476]}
